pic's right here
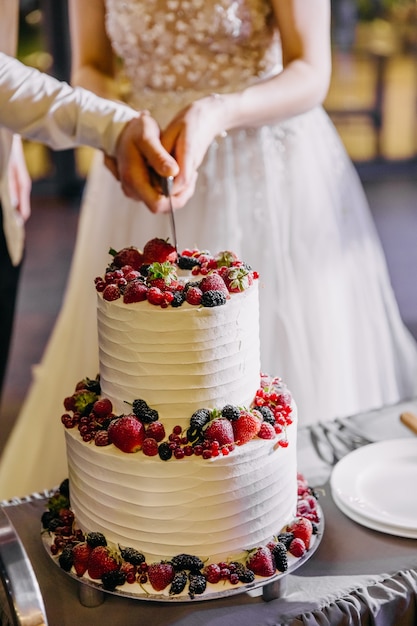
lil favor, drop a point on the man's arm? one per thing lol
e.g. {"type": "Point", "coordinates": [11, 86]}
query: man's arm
{"type": "Point", "coordinates": [39, 107]}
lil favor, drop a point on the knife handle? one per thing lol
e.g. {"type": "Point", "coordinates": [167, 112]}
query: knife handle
{"type": "Point", "coordinates": [167, 183]}
{"type": "Point", "coordinates": [409, 420]}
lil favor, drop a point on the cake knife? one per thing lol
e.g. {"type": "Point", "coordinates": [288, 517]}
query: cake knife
{"type": "Point", "coordinates": [166, 184]}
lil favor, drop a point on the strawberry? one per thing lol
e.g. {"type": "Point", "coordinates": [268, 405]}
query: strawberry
{"type": "Point", "coordinates": [302, 528]}
{"type": "Point", "coordinates": [101, 561]}
{"type": "Point", "coordinates": [226, 258]}
{"type": "Point", "coordinates": [159, 250]}
{"type": "Point", "coordinates": [161, 575]}
{"type": "Point", "coordinates": [246, 427]}
{"type": "Point", "coordinates": [81, 553]}
{"type": "Point", "coordinates": [213, 282]}
{"type": "Point", "coordinates": [238, 279]}
{"type": "Point", "coordinates": [221, 430]}
{"type": "Point", "coordinates": [136, 291]}
{"type": "Point", "coordinates": [261, 562]}
{"type": "Point", "coordinates": [127, 256]}
{"type": "Point", "coordinates": [127, 433]}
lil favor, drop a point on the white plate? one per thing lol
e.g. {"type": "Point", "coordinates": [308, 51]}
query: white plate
{"type": "Point", "coordinates": [378, 483]}
{"type": "Point", "coordinates": [364, 521]}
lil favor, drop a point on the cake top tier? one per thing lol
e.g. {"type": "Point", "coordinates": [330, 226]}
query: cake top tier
{"type": "Point", "coordinates": [163, 278]}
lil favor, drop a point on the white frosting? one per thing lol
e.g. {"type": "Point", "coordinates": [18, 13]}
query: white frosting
{"type": "Point", "coordinates": [180, 359]}
{"type": "Point", "coordinates": [214, 508]}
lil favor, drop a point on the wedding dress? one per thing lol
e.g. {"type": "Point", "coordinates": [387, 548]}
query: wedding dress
{"type": "Point", "coordinates": [284, 197]}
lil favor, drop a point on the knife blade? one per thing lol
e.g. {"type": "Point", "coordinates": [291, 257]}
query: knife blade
{"type": "Point", "coordinates": [166, 185]}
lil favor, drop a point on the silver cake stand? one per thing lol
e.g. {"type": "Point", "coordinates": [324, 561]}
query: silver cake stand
{"type": "Point", "coordinates": [91, 593]}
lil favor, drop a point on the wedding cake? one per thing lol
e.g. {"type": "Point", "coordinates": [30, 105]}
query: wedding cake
{"type": "Point", "coordinates": [181, 448]}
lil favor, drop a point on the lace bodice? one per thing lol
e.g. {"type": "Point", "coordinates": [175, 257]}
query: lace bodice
{"type": "Point", "coordinates": [207, 45]}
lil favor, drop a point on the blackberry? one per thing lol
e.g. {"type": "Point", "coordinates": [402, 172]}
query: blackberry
{"type": "Point", "coordinates": [144, 412]}
{"type": "Point", "coordinates": [132, 556]}
{"type": "Point", "coordinates": [46, 519]}
{"type": "Point", "coordinates": [285, 538]}
{"type": "Point", "coordinates": [64, 488]}
{"type": "Point", "coordinates": [200, 418]}
{"type": "Point", "coordinates": [188, 562]}
{"type": "Point", "coordinates": [187, 262]}
{"type": "Point", "coordinates": [54, 524]}
{"type": "Point", "coordinates": [179, 299]}
{"type": "Point", "coordinates": [93, 385]}
{"type": "Point", "coordinates": [144, 269]}
{"type": "Point", "coordinates": [138, 406]}
{"type": "Point", "coordinates": [195, 435]}
{"type": "Point", "coordinates": [198, 584]}
{"type": "Point", "coordinates": [279, 552]}
{"type": "Point", "coordinates": [164, 451]}
{"type": "Point", "coordinates": [113, 579]}
{"type": "Point", "coordinates": [96, 539]}
{"type": "Point", "coordinates": [213, 298]}
{"type": "Point", "coordinates": [178, 584]}
{"type": "Point", "coordinates": [315, 528]}
{"type": "Point", "coordinates": [66, 559]}
{"type": "Point", "coordinates": [231, 412]}
{"type": "Point", "coordinates": [149, 416]}
{"type": "Point", "coordinates": [267, 414]}
{"type": "Point", "coordinates": [191, 283]}
{"type": "Point", "coordinates": [244, 574]}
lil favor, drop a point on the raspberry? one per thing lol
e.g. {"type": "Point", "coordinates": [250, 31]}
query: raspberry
{"type": "Point", "coordinates": [101, 438]}
{"type": "Point", "coordinates": [297, 547]}
{"type": "Point", "coordinates": [150, 446]}
{"type": "Point", "coordinates": [266, 431]}
{"type": "Point", "coordinates": [194, 296]}
{"type": "Point", "coordinates": [156, 430]}
{"type": "Point", "coordinates": [155, 296]}
{"type": "Point", "coordinates": [212, 573]}
{"type": "Point", "coordinates": [111, 292]}
{"type": "Point", "coordinates": [135, 291]}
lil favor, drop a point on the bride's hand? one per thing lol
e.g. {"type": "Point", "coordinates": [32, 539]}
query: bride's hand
{"type": "Point", "coordinates": [189, 135]}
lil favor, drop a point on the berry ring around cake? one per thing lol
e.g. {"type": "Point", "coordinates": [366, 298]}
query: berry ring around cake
{"type": "Point", "coordinates": [125, 571]}
{"type": "Point", "coordinates": [182, 459]}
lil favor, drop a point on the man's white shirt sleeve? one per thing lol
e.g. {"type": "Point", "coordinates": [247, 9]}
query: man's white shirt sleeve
{"type": "Point", "coordinates": [41, 108]}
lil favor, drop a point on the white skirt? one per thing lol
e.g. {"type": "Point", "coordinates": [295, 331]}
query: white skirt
{"type": "Point", "coordinates": [286, 199]}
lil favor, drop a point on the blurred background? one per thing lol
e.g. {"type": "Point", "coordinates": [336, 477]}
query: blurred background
{"type": "Point", "coordinates": [372, 101]}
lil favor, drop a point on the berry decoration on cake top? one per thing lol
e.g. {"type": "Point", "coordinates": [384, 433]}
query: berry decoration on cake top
{"type": "Point", "coordinates": [153, 275]}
